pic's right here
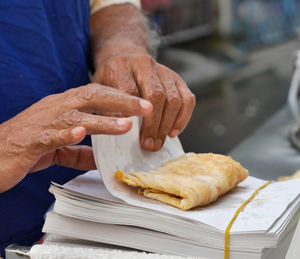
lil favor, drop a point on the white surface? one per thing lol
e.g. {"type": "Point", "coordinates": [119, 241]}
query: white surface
{"type": "Point", "coordinates": [64, 248]}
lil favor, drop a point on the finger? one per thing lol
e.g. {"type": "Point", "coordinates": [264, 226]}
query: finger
{"type": "Point", "coordinates": [188, 103]}
{"type": "Point", "coordinates": [172, 105]}
{"type": "Point", "coordinates": [151, 90]}
{"type": "Point", "coordinates": [93, 124]}
{"type": "Point", "coordinates": [112, 114]}
{"type": "Point", "coordinates": [119, 77]}
{"type": "Point", "coordinates": [122, 81]}
{"type": "Point", "coordinates": [51, 139]}
{"type": "Point", "coordinates": [77, 157]}
{"type": "Point", "coordinates": [97, 98]}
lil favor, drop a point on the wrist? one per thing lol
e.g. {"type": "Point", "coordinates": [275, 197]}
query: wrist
{"type": "Point", "coordinates": [113, 48]}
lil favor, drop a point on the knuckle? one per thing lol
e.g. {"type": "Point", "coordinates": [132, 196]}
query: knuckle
{"type": "Point", "coordinates": [158, 95]}
{"type": "Point", "coordinates": [147, 58]}
{"type": "Point", "coordinates": [108, 74]}
{"type": "Point", "coordinates": [190, 99]}
{"type": "Point", "coordinates": [45, 139]}
{"type": "Point", "coordinates": [68, 119]}
{"type": "Point", "coordinates": [174, 102]}
{"type": "Point", "coordinates": [71, 118]}
{"type": "Point", "coordinates": [132, 91]}
{"type": "Point", "coordinates": [86, 94]}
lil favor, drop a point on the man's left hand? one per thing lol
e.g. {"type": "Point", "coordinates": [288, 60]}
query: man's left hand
{"type": "Point", "coordinates": [134, 71]}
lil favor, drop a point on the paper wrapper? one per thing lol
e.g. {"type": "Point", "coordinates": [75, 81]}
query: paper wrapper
{"type": "Point", "coordinates": [124, 153]}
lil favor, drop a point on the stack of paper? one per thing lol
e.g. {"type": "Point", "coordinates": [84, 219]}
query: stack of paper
{"type": "Point", "coordinates": [113, 213]}
{"type": "Point", "coordinates": [85, 209]}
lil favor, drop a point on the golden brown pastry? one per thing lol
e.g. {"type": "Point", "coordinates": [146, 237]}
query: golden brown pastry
{"type": "Point", "coordinates": [189, 181]}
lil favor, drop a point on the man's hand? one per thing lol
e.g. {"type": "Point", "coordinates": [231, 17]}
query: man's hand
{"type": "Point", "coordinates": [120, 43]}
{"type": "Point", "coordinates": [137, 73]}
{"type": "Point", "coordinates": [41, 135]}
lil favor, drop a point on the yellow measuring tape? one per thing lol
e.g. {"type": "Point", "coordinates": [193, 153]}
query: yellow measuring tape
{"type": "Point", "coordinates": [226, 245]}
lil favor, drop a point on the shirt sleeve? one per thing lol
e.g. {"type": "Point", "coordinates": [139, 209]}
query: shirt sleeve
{"type": "Point", "coordinates": [96, 5]}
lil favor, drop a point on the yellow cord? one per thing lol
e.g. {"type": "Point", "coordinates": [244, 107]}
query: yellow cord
{"type": "Point", "coordinates": [226, 245]}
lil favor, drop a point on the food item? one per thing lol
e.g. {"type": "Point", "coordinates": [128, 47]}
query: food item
{"type": "Point", "coordinates": [189, 181]}
{"type": "Point", "coordinates": [296, 175]}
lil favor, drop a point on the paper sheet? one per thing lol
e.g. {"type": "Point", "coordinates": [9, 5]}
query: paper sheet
{"type": "Point", "coordinates": [124, 153]}
{"type": "Point", "coordinates": [258, 215]}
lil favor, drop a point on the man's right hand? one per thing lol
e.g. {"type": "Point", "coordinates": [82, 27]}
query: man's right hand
{"type": "Point", "coordinates": [41, 135]}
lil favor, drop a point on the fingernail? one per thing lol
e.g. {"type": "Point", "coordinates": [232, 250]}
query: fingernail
{"type": "Point", "coordinates": [76, 132]}
{"type": "Point", "coordinates": [174, 133]}
{"type": "Point", "coordinates": [122, 122]}
{"type": "Point", "coordinates": [158, 143]}
{"type": "Point", "coordinates": [145, 104]}
{"type": "Point", "coordinates": [149, 142]}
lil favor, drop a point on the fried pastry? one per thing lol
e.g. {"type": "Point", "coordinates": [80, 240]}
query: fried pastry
{"type": "Point", "coordinates": [189, 181]}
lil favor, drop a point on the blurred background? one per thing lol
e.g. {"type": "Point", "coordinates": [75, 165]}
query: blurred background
{"type": "Point", "coordinates": [237, 58]}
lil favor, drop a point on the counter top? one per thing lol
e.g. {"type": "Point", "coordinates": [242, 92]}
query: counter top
{"type": "Point", "coordinates": [268, 152]}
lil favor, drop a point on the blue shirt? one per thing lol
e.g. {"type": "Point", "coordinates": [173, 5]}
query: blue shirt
{"type": "Point", "coordinates": [44, 49]}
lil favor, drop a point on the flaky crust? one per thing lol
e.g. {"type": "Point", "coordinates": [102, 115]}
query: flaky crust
{"type": "Point", "coordinates": [189, 181]}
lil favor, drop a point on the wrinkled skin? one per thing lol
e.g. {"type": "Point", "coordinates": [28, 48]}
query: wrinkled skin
{"type": "Point", "coordinates": [45, 133]}
{"type": "Point", "coordinates": [137, 73]}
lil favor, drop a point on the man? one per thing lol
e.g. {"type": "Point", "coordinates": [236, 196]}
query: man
{"type": "Point", "coordinates": [44, 57]}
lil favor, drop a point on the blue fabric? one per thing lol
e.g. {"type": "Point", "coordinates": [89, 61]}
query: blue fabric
{"type": "Point", "coordinates": [44, 49]}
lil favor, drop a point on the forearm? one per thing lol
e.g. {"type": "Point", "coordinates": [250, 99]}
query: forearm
{"type": "Point", "coordinates": [116, 29]}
